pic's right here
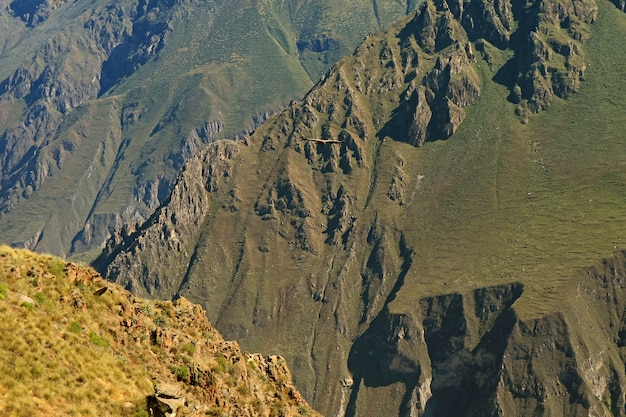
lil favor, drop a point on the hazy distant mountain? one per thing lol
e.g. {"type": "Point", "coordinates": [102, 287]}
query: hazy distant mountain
{"type": "Point", "coordinates": [417, 234]}
{"type": "Point", "coordinates": [101, 102]}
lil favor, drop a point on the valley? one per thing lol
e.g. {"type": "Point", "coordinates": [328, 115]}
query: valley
{"type": "Point", "coordinates": [436, 228]}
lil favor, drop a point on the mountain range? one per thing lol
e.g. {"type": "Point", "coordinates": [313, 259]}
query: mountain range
{"type": "Point", "coordinates": [101, 102]}
{"type": "Point", "coordinates": [436, 228]}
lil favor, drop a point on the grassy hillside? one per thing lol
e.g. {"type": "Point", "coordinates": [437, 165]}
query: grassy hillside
{"type": "Point", "coordinates": [74, 344]}
{"type": "Point", "coordinates": [507, 201]}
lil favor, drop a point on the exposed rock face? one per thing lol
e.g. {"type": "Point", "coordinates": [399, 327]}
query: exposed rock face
{"type": "Point", "coordinates": [443, 354]}
{"type": "Point", "coordinates": [53, 89]}
{"type": "Point", "coordinates": [169, 398]}
{"type": "Point", "coordinates": [545, 64]}
{"type": "Point", "coordinates": [397, 278]}
{"type": "Point", "coordinates": [33, 12]}
{"type": "Point", "coordinates": [472, 355]}
{"type": "Point", "coordinates": [319, 43]}
{"type": "Point", "coordinates": [182, 226]}
{"type": "Point", "coordinates": [96, 94]}
{"type": "Point", "coordinates": [448, 88]}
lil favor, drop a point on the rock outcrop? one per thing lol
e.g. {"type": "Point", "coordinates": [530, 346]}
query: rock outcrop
{"type": "Point", "coordinates": [176, 224]}
{"type": "Point", "coordinates": [474, 355]}
{"type": "Point", "coordinates": [34, 12]}
{"type": "Point", "coordinates": [169, 398]}
{"type": "Point", "coordinates": [122, 355]}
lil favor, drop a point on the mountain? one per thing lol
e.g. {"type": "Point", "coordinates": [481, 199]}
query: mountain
{"type": "Point", "coordinates": [101, 102]}
{"type": "Point", "coordinates": [74, 344]}
{"type": "Point", "coordinates": [418, 235]}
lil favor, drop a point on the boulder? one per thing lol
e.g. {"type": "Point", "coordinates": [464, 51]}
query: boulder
{"type": "Point", "coordinates": [169, 398]}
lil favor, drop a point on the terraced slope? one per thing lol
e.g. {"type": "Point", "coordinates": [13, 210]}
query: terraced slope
{"type": "Point", "coordinates": [74, 344]}
{"type": "Point", "coordinates": [102, 102]}
{"type": "Point", "coordinates": [418, 229]}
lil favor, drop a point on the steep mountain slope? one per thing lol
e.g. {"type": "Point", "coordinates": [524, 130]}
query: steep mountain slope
{"type": "Point", "coordinates": [418, 228]}
{"type": "Point", "coordinates": [73, 344]}
{"type": "Point", "coordinates": [101, 102]}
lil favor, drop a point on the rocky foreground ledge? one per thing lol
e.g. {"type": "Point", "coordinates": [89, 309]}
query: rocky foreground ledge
{"type": "Point", "coordinates": [73, 343]}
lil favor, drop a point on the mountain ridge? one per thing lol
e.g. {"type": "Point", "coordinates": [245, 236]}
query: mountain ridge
{"type": "Point", "coordinates": [411, 184]}
{"type": "Point", "coordinates": [123, 93]}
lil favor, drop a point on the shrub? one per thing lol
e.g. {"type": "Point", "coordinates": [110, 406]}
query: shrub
{"type": "Point", "coordinates": [276, 409]}
{"type": "Point", "coordinates": [189, 348]}
{"type": "Point", "coordinates": [28, 306]}
{"type": "Point", "coordinates": [97, 340]}
{"type": "Point", "coordinates": [243, 389]}
{"type": "Point", "coordinates": [56, 267]}
{"type": "Point", "coordinates": [257, 405]}
{"type": "Point", "coordinates": [222, 363]}
{"type": "Point", "coordinates": [3, 292]}
{"type": "Point", "coordinates": [41, 298]}
{"type": "Point", "coordinates": [160, 322]}
{"type": "Point", "coordinates": [181, 372]}
{"type": "Point", "coordinates": [75, 327]}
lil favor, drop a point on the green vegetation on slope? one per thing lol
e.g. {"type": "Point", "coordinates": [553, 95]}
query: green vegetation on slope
{"type": "Point", "coordinates": [503, 201]}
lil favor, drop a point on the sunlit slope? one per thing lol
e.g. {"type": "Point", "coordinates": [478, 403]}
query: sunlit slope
{"type": "Point", "coordinates": [450, 181]}
{"type": "Point", "coordinates": [102, 103]}
{"type": "Point", "coordinates": [534, 202]}
{"type": "Point", "coordinates": [74, 344]}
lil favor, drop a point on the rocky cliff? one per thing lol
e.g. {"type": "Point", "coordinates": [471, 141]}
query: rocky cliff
{"type": "Point", "coordinates": [473, 354]}
{"type": "Point", "coordinates": [74, 343]}
{"type": "Point", "coordinates": [102, 103]}
{"type": "Point", "coordinates": [414, 230]}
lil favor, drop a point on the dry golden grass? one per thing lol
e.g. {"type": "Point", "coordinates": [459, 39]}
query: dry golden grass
{"type": "Point", "coordinates": [48, 368]}
{"type": "Point", "coordinates": [68, 351]}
